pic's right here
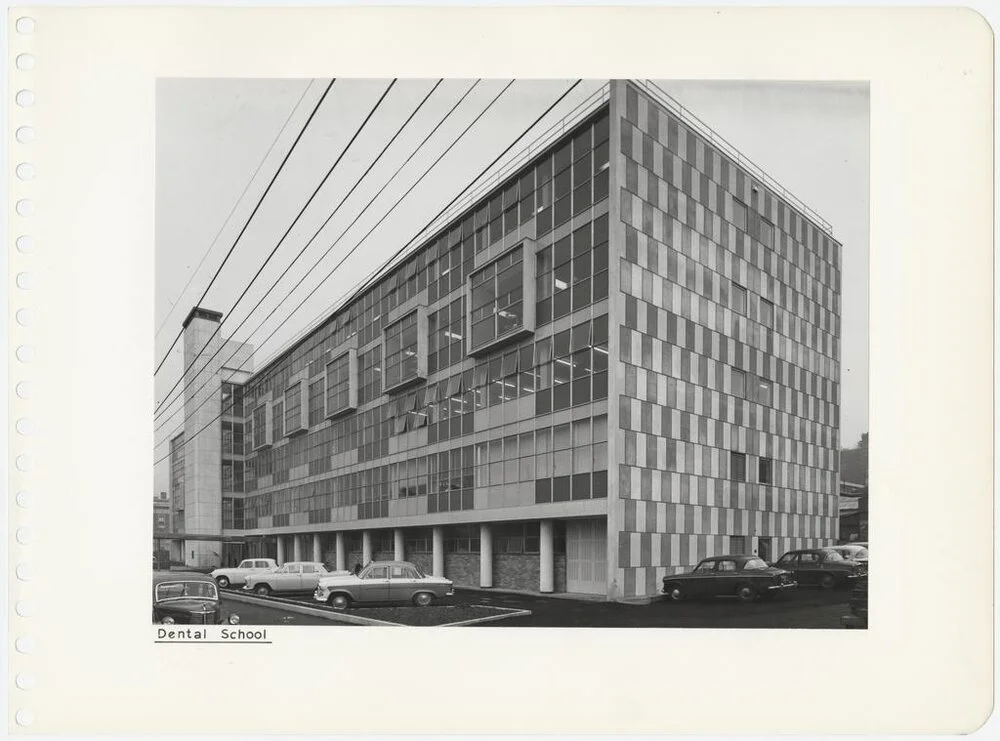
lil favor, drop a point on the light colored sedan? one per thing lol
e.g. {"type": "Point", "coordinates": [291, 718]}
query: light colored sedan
{"type": "Point", "coordinates": [382, 581]}
{"type": "Point", "coordinates": [294, 576]}
{"type": "Point", "coordinates": [237, 576]}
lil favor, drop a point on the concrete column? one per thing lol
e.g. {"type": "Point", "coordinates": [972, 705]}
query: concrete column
{"type": "Point", "coordinates": [281, 550]}
{"type": "Point", "coordinates": [317, 550]}
{"type": "Point", "coordinates": [546, 557]}
{"type": "Point", "coordinates": [485, 555]}
{"type": "Point", "coordinates": [397, 544]}
{"type": "Point", "coordinates": [366, 547]}
{"type": "Point", "coordinates": [437, 547]}
{"type": "Point", "coordinates": [341, 553]}
{"type": "Point", "coordinates": [297, 547]}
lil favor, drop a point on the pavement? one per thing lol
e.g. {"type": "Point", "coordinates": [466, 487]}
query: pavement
{"type": "Point", "coordinates": [268, 615]}
{"type": "Point", "coordinates": [803, 607]}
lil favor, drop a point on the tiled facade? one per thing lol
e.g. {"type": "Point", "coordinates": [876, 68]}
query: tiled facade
{"type": "Point", "coordinates": [590, 343]}
{"type": "Point", "coordinates": [728, 385]}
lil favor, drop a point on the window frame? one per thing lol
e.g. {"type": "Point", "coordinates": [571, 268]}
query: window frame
{"type": "Point", "coordinates": [526, 327]}
{"type": "Point", "coordinates": [421, 351]}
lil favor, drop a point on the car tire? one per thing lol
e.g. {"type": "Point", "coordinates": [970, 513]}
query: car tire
{"type": "Point", "coordinates": [223, 582]}
{"type": "Point", "coordinates": [674, 592]}
{"type": "Point", "coordinates": [339, 601]}
{"type": "Point", "coordinates": [828, 581]}
{"type": "Point", "coordinates": [423, 599]}
{"type": "Point", "coordinates": [262, 589]}
{"type": "Point", "coordinates": [746, 592]}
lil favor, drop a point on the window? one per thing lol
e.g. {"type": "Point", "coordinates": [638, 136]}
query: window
{"type": "Point", "coordinates": [764, 471]}
{"type": "Point", "coordinates": [497, 299]}
{"type": "Point", "coordinates": [260, 426]}
{"type": "Point", "coordinates": [278, 419]}
{"type": "Point", "coordinates": [293, 408]}
{"type": "Point", "coordinates": [316, 402]}
{"type": "Point", "coordinates": [738, 299]}
{"type": "Point", "coordinates": [754, 564]}
{"type": "Point", "coordinates": [705, 567]}
{"type": "Point", "coordinates": [737, 466]}
{"type": "Point", "coordinates": [763, 391]}
{"type": "Point", "coordinates": [370, 375]}
{"type": "Point", "coordinates": [808, 558]}
{"type": "Point", "coordinates": [740, 215]}
{"type": "Point", "coordinates": [737, 544]}
{"type": "Point", "coordinates": [738, 383]}
{"type": "Point", "coordinates": [402, 352]}
{"type": "Point", "coordinates": [832, 556]}
{"type": "Point", "coordinates": [726, 566]}
{"type": "Point", "coordinates": [341, 384]}
{"type": "Point", "coordinates": [788, 559]}
{"type": "Point", "coordinates": [766, 313]}
{"type": "Point", "coordinates": [766, 233]}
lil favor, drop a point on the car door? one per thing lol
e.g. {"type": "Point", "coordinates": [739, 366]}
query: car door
{"type": "Point", "coordinates": [311, 574]}
{"type": "Point", "coordinates": [374, 585]}
{"type": "Point", "coordinates": [790, 562]}
{"type": "Point", "coordinates": [701, 581]}
{"type": "Point", "coordinates": [725, 578]}
{"type": "Point", "coordinates": [402, 581]}
{"type": "Point", "coordinates": [809, 569]}
{"type": "Point", "coordinates": [289, 578]}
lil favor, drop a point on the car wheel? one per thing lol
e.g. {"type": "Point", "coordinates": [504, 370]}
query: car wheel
{"type": "Point", "coordinates": [422, 599]}
{"type": "Point", "coordinates": [674, 592]}
{"type": "Point", "coordinates": [746, 592]}
{"type": "Point", "coordinates": [339, 601]}
{"type": "Point", "coordinates": [827, 581]}
{"type": "Point", "coordinates": [262, 589]}
{"type": "Point", "coordinates": [223, 582]}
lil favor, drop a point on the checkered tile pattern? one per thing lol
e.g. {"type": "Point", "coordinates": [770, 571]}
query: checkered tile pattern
{"type": "Point", "coordinates": [730, 343]}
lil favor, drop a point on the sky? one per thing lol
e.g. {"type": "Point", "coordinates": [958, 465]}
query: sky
{"type": "Point", "coordinates": [219, 143]}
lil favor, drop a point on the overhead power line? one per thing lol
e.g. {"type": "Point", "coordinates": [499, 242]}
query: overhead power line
{"type": "Point", "coordinates": [256, 208]}
{"type": "Point", "coordinates": [238, 201]}
{"type": "Point", "coordinates": [421, 231]}
{"type": "Point", "coordinates": [336, 241]}
{"type": "Point", "coordinates": [281, 241]}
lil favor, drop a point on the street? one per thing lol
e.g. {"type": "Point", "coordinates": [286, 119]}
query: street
{"type": "Point", "coordinates": [800, 608]}
{"type": "Point", "coordinates": [256, 614]}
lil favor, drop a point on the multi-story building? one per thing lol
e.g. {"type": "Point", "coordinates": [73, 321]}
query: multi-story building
{"type": "Point", "coordinates": [621, 360]}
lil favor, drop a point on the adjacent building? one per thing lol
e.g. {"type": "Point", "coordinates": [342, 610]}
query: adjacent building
{"type": "Point", "coordinates": [621, 360]}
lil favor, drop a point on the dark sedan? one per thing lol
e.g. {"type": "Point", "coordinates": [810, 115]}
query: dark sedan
{"type": "Point", "coordinates": [822, 566]}
{"type": "Point", "coordinates": [186, 599]}
{"type": "Point", "coordinates": [745, 577]}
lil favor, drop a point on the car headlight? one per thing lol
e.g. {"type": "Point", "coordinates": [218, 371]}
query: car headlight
{"type": "Point", "coordinates": [167, 620]}
{"type": "Point", "coordinates": [234, 619]}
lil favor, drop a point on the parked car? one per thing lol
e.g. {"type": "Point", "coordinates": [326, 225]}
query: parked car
{"type": "Point", "coordinates": [237, 575]}
{"type": "Point", "coordinates": [382, 581]}
{"type": "Point", "coordinates": [293, 576]}
{"type": "Point", "coordinates": [188, 598]}
{"type": "Point", "coordinates": [859, 605]}
{"type": "Point", "coordinates": [822, 566]}
{"type": "Point", "coordinates": [853, 552]}
{"type": "Point", "coordinates": [742, 576]}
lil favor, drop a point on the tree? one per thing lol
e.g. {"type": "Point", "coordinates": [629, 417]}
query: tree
{"type": "Point", "coordinates": [863, 442]}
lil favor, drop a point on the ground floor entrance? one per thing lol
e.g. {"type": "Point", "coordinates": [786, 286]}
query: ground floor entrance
{"type": "Point", "coordinates": [586, 556]}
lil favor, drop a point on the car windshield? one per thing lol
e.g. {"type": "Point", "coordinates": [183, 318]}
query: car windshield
{"type": "Point", "coordinates": [754, 564]}
{"type": "Point", "coordinates": [186, 590]}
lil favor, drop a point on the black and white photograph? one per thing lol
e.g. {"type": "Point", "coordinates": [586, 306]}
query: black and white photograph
{"type": "Point", "coordinates": [494, 370]}
{"type": "Point", "coordinates": [550, 353]}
